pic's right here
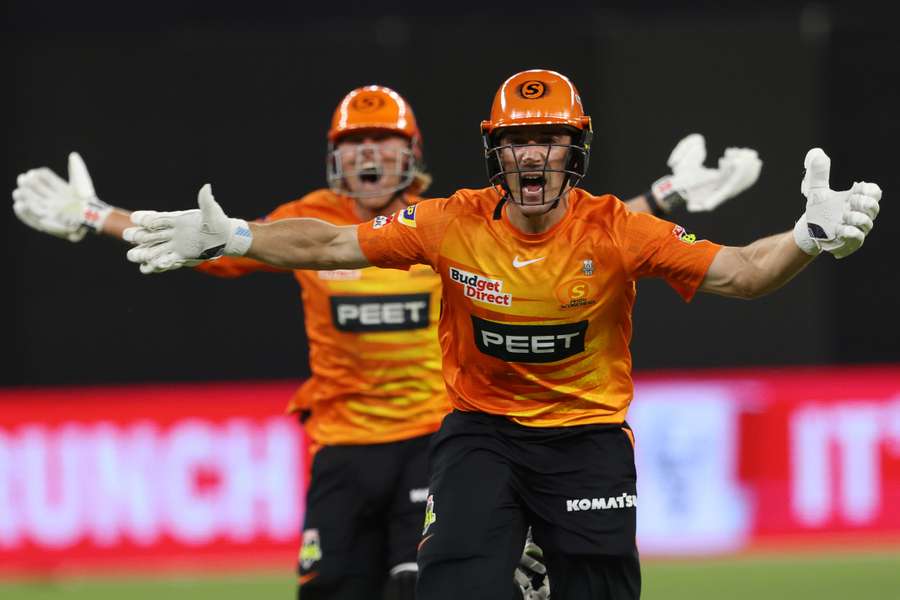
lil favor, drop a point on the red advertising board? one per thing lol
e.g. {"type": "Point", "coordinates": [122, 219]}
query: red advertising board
{"type": "Point", "coordinates": [146, 476]}
{"type": "Point", "coordinates": [768, 458]}
{"type": "Point", "coordinates": [211, 475]}
{"type": "Point", "coordinates": [821, 452]}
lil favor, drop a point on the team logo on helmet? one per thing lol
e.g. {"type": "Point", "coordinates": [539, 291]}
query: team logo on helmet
{"type": "Point", "coordinates": [533, 89]}
{"type": "Point", "coordinates": [367, 102]}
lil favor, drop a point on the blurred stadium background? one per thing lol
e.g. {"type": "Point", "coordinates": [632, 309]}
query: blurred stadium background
{"type": "Point", "coordinates": [768, 432]}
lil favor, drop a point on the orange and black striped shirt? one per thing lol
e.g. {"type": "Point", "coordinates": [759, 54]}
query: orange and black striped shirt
{"type": "Point", "coordinates": [373, 349]}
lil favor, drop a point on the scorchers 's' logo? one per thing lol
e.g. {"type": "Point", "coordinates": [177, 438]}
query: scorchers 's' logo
{"type": "Point", "coordinates": [482, 289]}
{"type": "Point", "coordinates": [367, 102]}
{"type": "Point", "coordinates": [576, 292]}
{"type": "Point", "coordinates": [533, 89]}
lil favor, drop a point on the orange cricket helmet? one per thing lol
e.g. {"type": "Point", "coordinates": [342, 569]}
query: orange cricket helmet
{"type": "Point", "coordinates": [377, 107]}
{"type": "Point", "coordinates": [536, 97]}
{"type": "Point", "coordinates": [374, 107]}
{"type": "Point", "coordinates": [533, 98]}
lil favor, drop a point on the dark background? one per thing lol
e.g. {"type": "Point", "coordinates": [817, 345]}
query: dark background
{"type": "Point", "coordinates": [161, 99]}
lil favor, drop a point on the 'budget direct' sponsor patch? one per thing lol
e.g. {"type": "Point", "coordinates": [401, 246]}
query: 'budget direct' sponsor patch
{"type": "Point", "coordinates": [479, 288]}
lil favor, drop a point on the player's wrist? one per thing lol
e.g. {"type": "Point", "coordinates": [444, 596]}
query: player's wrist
{"type": "Point", "coordinates": [94, 214]}
{"type": "Point", "coordinates": [663, 197]}
{"type": "Point", "coordinates": [656, 208]}
{"type": "Point", "coordinates": [802, 238]}
{"type": "Point", "coordinates": [240, 238]}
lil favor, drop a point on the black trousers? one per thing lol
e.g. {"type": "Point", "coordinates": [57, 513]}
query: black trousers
{"type": "Point", "coordinates": [491, 478]}
{"type": "Point", "coordinates": [364, 512]}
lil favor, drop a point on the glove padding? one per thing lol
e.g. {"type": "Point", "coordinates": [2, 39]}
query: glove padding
{"type": "Point", "coordinates": [531, 574]}
{"type": "Point", "coordinates": [700, 188]}
{"type": "Point", "coordinates": [837, 222]}
{"type": "Point", "coordinates": [171, 240]}
{"type": "Point", "coordinates": [46, 202]}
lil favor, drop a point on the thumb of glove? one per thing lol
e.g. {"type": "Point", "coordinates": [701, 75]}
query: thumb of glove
{"type": "Point", "coordinates": [79, 178]}
{"type": "Point", "coordinates": [818, 170]}
{"type": "Point", "coordinates": [231, 236]}
{"type": "Point", "coordinates": [212, 216]}
{"type": "Point", "coordinates": [690, 152]}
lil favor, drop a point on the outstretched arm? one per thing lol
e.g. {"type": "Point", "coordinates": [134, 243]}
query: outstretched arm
{"type": "Point", "coordinates": [755, 270]}
{"type": "Point", "coordinates": [69, 209]}
{"type": "Point", "coordinates": [836, 222]}
{"type": "Point", "coordinates": [306, 244]}
{"type": "Point", "coordinates": [170, 240]}
{"type": "Point", "coordinates": [694, 186]}
{"type": "Point", "coordinates": [640, 204]}
{"type": "Point", "coordinates": [117, 222]}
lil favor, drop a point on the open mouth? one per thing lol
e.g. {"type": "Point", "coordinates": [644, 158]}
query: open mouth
{"type": "Point", "coordinates": [532, 183]}
{"type": "Point", "coordinates": [369, 174]}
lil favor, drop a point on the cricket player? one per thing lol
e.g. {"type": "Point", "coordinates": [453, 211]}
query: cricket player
{"type": "Point", "coordinates": [376, 394]}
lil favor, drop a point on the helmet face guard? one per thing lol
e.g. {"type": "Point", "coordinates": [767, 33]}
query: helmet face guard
{"type": "Point", "coordinates": [573, 171]}
{"type": "Point", "coordinates": [368, 165]}
{"type": "Point", "coordinates": [374, 108]}
{"type": "Point", "coordinates": [544, 98]}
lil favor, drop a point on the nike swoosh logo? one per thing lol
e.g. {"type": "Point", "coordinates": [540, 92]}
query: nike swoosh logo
{"type": "Point", "coordinates": [521, 263]}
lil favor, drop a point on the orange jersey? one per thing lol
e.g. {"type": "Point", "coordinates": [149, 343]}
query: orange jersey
{"type": "Point", "coordinates": [373, 349]}
{"type": "Point", "coordinates": [537, 327]}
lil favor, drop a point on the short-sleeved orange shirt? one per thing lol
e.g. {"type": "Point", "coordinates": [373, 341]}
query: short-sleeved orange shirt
{"type": "Point", "coordinates": [537, 327]}
{"type": "Point", "coordinates": [373, 349]}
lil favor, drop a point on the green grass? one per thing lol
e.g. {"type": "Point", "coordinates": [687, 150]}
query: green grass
{"type": "Point", "coordinates": [874, 576]}
{"type": "Point", "coordinates": [253, 586]}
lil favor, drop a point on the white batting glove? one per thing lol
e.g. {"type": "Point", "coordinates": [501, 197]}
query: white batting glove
{"type": "Point", "coordinates": [700, 188]}
{"type": "Point", "coordinates": [531, 574]}
{"type": "Point", "coordinates": [837, 222]}
{"type": "Point", "coordinates": [46, 202]}
{"type": "Point", "coordinates": [171, 240]}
